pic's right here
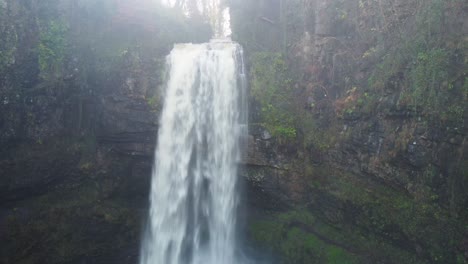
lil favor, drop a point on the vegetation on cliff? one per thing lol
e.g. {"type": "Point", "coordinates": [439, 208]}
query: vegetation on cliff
{"type": "Point", "coordinates": [362, 122]}
{"type": "Point", "coordinates": [78, 82]}
{"type": "Point", "coordinates": [271, 86]}
{"type": "Point", "coordinates": [376, 92]}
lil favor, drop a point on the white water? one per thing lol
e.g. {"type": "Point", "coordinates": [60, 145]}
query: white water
{"type": "Point", "coordinates": [193, 192]}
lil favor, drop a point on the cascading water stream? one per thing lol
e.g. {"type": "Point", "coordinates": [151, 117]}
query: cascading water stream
{"type": "Point", "coordinates": [193, 200]}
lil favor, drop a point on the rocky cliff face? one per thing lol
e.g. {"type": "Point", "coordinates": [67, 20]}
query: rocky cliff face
{"type": "Point", "coordinates": [357, 147]}
{"type": "Point", "coordinates": [360, 155]}
{"type": "Point", "coordinates": [79, 87]}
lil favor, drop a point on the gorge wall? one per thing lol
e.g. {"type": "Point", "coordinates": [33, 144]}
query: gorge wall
{"type": "Point", "coordinates": [79, 89]}
{"type": "Point", "coordinates": [357, 139]}
{"type": "Point", "coordinates": [358, 124]}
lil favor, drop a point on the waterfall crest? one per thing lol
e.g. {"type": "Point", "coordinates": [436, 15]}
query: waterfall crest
{"type": "Point", "coordinates": [193, 199]}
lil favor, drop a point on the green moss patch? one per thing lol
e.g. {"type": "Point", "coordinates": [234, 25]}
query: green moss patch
{"type": "Point", "coordinates": [289, 235]}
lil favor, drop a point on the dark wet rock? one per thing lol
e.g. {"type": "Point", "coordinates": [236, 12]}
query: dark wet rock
{"type": "Point", "coordinates": [78, 122]}
{"type": "Point", "coordinates": [378, 160]}
{"type": "Point", "coordinates": [40, 170]}
{"type": "Point", "coordinates": [417, 156]}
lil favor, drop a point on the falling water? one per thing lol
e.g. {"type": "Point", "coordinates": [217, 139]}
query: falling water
{"type": "Point", "coordinates": [193, 192]}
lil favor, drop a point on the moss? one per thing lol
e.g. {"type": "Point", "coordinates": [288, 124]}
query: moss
{"type": "Point", "coordinates": [8, 43]}
{"type": "Point", "coordinates": [8, 39]}
{"type": "Point", "coordinates": [429, 84]}
{"type": "Point", "coordinates": [427, 77]}
{"type": "Point", "coordinates": [87, 146]}
{"type": "Point", "coordinates": [272, 87]}
{"type": "Point", "coordinates": [336, 255]}
{"type": "Point", "coordinates": [154, 102]}
{"type": "Point", "coordinates": [285, 233]}
{"type": "Point", "coordinates": [465, 87]}
{"type": "Point", "coordinates": [321, 136]}
{"type": "Point", "coordinates": [51, 49]}
{"type": "Point", "coordinates": [70, 224]}
{"type": "Point", "coordinates": [266, 232]}
{"type": "Point", "coordinates": [395, 216]}
{"type": "Point", "coordinates": [424, 68]}
{"type": "Point", "coordinates": [358, 101]}
{"type": "Point", "coordinates": [310, 240]}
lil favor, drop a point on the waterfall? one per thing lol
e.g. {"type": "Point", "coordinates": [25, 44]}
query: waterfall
{"type": "Point", "coordinates": [193, 199]}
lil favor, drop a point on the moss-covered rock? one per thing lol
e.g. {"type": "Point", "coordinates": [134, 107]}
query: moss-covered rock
{"type": "Point", "coordinates": [378, 96]}
{"type": "Point", "coordinates": [78, 120]}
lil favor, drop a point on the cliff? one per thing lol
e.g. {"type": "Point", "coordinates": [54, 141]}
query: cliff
{"type": "Point", "coordinates": [357, 145]}
{"type": "Point", "coordinates": [358, 124]}
{"type": "Point", "coordinates": [80, 86]}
